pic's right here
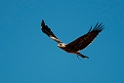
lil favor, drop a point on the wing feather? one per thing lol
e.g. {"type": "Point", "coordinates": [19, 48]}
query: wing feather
{"type": "Point", "coordinates": [45, 29]}
{"type": "Point", "coordinates": [83, 41]}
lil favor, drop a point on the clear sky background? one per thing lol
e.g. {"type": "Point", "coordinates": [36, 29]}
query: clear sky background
{"type": "Point", "coordinates": [28, 56]}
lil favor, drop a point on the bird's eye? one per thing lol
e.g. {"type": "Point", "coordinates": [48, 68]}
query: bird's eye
{"type": "Point", "coordinates": [60, 44]}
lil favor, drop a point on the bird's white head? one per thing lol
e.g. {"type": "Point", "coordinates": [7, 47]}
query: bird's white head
{"type": "Point", "coordinates": [61, 45]}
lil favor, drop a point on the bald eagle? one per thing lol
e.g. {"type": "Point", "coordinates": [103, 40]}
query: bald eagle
{"type": "Point", "coordinates": [79, 43]}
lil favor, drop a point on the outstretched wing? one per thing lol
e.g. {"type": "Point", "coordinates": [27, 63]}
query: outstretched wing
{"type": "Point", "coordinates": [83, 41]}
{"type": "Point", "coordinates": [45, 29]}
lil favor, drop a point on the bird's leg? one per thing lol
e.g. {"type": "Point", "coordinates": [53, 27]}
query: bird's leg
{"type": "Point", "coordinates": [78, 58]}
{"type": "Point", "coordinates": [83, 56]}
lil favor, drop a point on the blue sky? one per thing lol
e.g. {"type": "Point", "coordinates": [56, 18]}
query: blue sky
{"type": "Point", "coordinates": [29, 56]}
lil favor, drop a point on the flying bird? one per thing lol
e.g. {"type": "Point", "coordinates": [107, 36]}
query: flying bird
{"type": "Point", "coordinates": [79, 43]}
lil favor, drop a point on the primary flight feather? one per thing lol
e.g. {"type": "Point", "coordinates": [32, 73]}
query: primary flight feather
{"type": "Point", "coordinates": [79, 43]}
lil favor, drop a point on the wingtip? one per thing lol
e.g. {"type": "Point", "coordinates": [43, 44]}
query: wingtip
{"type": "Point", "coordinates": [98, 27]}
{"type": "Point", "coordinates": [42, 20]}
{"type": "Point", "coordinates": [90, 29]}
{"type": "Point", "coordinates": [42, 23]}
